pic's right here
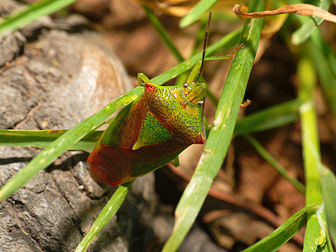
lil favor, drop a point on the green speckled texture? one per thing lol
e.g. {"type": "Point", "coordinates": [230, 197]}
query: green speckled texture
{"type": "Point", "coordinates": [149, 132]}
{"type": "Point", "coordinates": [182, 118]}
{"type": "Point", "coordinates": [152, 132]}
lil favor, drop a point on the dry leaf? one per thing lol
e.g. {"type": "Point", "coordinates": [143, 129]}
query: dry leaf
{"type": "Point", "coordinates": [301, 9]}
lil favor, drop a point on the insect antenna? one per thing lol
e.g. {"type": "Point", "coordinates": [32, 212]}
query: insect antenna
{"type": "Point", "coordinates": [206, 37]}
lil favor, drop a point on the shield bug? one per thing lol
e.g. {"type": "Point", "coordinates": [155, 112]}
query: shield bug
{"type": "Point", "coordinates": [152, 130]}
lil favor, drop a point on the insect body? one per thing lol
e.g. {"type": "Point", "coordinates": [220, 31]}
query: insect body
{"type": "Point", "coordinates": [149, 132]}
{"type": "Point", "coordinates": [152, 130]}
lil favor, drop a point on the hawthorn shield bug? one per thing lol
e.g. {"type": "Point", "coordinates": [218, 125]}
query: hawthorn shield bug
{"type": "Point", "coordinates": [152, 130]}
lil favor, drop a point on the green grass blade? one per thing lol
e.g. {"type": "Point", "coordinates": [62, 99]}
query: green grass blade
{"type": "Point", "coordinates": [105, 215]}
{"type": "Point", "coordinates": [42, 138]}
{"type": "Point", "coordinates": [199, 9]}
{"type": "Point", "coordinates": [316, 232]}
{"type": "Point", "coordinates": [31, 13]}
{"type": "Point", "coordinates": [276, 116]}
{"type": "Point", "coordinates": [264, 154]}
{"type": "Point", "coordinates": [309, 24]}
{"type": "Point", "coordinates": [163, 34]}
{"type": "Point", "coordinates": [329, 188]}
{"type": "Point", "coordinates": [283, 233]}
{"type": "Point", "coordinates": [221, 134]}
{"type": "Point", "coordinates": [324, 62]}
{"type": "Point", "coordinates": [218, 58]}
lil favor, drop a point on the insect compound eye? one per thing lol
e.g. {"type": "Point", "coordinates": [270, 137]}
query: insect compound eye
{"type": "Point", "coordinates": [185, 85]}
{"type": "Point", "coordinates": [200, 102]}
{"type": "Point", "coordinates": [149, 87]}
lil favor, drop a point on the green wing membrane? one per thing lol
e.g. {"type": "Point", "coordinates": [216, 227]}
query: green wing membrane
{"type": "Point", "coordinates": [151, 132]}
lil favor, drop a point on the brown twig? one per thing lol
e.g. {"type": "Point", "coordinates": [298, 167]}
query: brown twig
{"type": "Point", "coordinates": [301, 9]}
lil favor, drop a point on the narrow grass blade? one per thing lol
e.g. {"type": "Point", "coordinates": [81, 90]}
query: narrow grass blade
{"type": "Point", "coordinates": [200, 8]}
{"type": "Point", "coordinates": [267, 156]}
{"type": "Point", "coordinates": [310, 24]}
{"type": "Point", "coordinates": [276, 116]}
{"type": "Point", "coordinates": [218, 58]}
{"type": "Point", "coordinates": [329, 188]}
{"type": "Point", "coordinates": [316, 232]}
{"type": "Point", "coordinates": [42, 138]}
{"type": "Point", "coordinates": [283, 233]}
{"type": "Point", "coordinates": [105, 215]}
{"type": "Point", "coordinates": [324, 62]}
{"type": "Point", "coordinates": [31, 13]}
{"type": "Point", "coordinates": [163, 34]}
{"type": "Point", "coordinates": [221, 134]}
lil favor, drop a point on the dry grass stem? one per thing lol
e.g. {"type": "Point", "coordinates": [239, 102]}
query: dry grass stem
{"type": "Point", "coordinates": [301, 9]}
